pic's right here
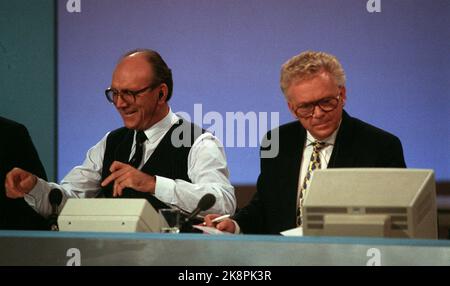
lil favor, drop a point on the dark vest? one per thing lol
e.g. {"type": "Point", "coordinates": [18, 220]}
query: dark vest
{"type": "Point", "coordinates": [167, 160]}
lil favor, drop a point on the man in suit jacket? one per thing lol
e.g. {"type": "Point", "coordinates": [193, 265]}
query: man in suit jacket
{"type": "Point", "coordinates": [17, 150]}
{"type": "Point", "coordinates": [314, 86]}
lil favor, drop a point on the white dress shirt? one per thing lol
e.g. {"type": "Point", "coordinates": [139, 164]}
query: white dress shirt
{"type": "Point", "coordinates": [324, 154]}
{"type": "Point", "coordinates": [207, 170]}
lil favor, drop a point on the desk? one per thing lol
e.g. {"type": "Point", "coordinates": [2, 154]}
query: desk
{"type": "Point", "coordinates": [60, 248]}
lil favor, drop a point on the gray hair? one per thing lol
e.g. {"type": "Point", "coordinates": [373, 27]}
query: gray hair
{"type": "Point", "coordinates": [308, 64]}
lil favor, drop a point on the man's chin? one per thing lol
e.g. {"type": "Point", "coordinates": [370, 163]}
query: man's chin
{"type": "Point", "coordinates": [129, 124]}
{"type": "Point", "coordinates": [322, 133]}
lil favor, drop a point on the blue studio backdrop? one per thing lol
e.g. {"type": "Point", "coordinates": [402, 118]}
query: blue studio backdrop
{"type": "Point", "coordinates": [226, 56]}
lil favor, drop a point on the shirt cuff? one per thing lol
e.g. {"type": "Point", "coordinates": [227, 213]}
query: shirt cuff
{"type": "Point", "coordinates": [237, 229]}
{"type": "Point", "coordinates": [38, 194]}
{"type": "Point", "coordinates": [164, 189]}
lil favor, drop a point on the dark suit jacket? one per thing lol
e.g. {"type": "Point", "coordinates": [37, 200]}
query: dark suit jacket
{"type": "Point", "coordinates": [358, 144]}
{"type": "Point", "coordinates": [17, 150]}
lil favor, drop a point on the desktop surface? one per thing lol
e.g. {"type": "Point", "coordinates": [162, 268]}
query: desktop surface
{"type": "Point", "coordinates": [156, 249]}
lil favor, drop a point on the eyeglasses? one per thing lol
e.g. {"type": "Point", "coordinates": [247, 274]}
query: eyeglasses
{"type": "Point", "coordinates": [327, 104]}
{"type": "Point", "coordinates": [112, 94]}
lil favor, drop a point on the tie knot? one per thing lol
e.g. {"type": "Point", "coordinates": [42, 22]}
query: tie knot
{"type": "Point", "coordinates": [319, 145]}
{"type": "Point", "coordinates": [140, 137]}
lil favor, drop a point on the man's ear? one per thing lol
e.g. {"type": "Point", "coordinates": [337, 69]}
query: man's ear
{"type": "Point", "coordinates": [163, 92]}
{"type": "Point", "coordinates": [343, 94]}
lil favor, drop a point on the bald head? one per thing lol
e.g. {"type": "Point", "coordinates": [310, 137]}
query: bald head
{"type": "Point", "coordinates": [160, 71]}
{"type": "Point", "coordinates": [133, 71]}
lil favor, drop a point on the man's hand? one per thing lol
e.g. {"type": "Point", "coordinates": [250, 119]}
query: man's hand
{"type": "Point", "coordinates": [125, 176]}
{"type": "Point", "coordinates": [225, 225]}
{"type": "Point", "coordinates": [19, 182]}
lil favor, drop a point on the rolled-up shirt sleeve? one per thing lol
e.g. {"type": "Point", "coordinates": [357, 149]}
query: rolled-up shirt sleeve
{"type": "Point", "coordinates": [208, 172]}
{"type": "Point", "coordinates": [81, 182]}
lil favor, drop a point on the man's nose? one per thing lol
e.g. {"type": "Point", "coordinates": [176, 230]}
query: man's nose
{"type": "Point", "coordinates": [317, 112]}
{"type": "Point", "coordinates": [120, 102]}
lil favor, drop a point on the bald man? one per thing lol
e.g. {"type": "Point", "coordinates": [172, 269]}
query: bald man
{"type": "Point", "coordinates": [156, 154]}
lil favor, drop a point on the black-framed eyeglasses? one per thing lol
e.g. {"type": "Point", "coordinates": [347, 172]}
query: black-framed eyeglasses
{"type": "Point", "coordinates": [327, 104]}
{"type": "Point", "coordinates": [112, 94]}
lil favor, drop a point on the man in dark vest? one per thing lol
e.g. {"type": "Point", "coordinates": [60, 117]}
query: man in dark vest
{"type": "Point", "coordinates": [156, 155]}
{"type": "Point", "coordinates": [323, 136]}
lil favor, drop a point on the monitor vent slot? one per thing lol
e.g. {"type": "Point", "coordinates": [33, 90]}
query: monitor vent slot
{"type": "Point", "coordinates": [315, 225]}
{"type": "Point", "coordinates": [399, 219]}
{"type": "Point", "coordinates": [315, 218]}
{"type": "Point", "coordinates": [396, 218]}
{"type": "Point", "coordinates": [327, 210]}
{"type": "Point", "coordinates": [386, 211]}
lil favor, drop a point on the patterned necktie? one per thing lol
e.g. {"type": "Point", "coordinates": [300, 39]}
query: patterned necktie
{"type": "Point", "coordinates": [137, 157]}
{"type": "Point", "coordinates": [313, 165]}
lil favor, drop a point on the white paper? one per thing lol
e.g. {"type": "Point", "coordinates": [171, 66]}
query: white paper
{"type": "Point", "coordinates": [298, 231]}
{"type": "Point", "coordinates": [209, 230]}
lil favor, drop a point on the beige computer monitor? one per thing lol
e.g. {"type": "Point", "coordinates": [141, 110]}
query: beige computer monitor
{"type": "Point", "coordinates": [109, 215]}
{"type": "Point", "coordinates": [371, 202]}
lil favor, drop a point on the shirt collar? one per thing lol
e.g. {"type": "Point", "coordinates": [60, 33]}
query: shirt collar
{"type": "Point", "coordinates": [162, 126]}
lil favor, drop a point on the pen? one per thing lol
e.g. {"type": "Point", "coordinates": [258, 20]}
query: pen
{"type": "Point", "coordinates": [219, 218]}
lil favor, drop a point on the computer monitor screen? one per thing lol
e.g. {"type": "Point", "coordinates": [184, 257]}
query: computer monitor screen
{"type": "Point", "coordinates": [109, 215]}
{"type": "Point", "coordinates": [371, 202]}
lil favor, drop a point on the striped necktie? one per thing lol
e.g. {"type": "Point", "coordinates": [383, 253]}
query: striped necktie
{"type": "Point", "coordinates": [314, 164]}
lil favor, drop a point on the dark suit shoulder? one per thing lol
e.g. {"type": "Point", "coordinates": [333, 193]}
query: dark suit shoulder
{"type": "Point", "coordinates": [361, 144]}
{"type": "Point", "coordinates": [8, 122]}
{"type": "Point", "coordinates": [287, 128]}
{"type": "Point", "coordinates": [286, 131]}
{"type": "Point", "coordinates": [370, 132]}
{"type": "Point", "coordinates": [11, 127]}
{"type": "Point", "coordinates": [18, 137]}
